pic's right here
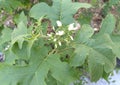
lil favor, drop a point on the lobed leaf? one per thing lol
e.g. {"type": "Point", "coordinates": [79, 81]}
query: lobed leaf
{"type": "Point", "coordinates": [98, 50]}
{"type": "Point", "coordinates": [6, 35]}
{"type": "Point", "coordinates": [36, 71]}
{"type": "Point", "coordinates": [62, 10]}
{"type": "Point", "coordinates": [108, 25]}
{"type": "Point", "coordinates": [19, 34]}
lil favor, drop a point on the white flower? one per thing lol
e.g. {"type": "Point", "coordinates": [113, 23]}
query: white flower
{"type": "Point", "coordinates": [60, 33]}
{"type": "Point", "coordinates": [72, 27]}
{"type": "Point", "coordinates": [96, 29]}
{"type": "Point", "coordinates": [49, 35]}
{"type": "Point", "coordinates": [55, 45]}
{"type": "Point", "coordinates": [59, 23]}
{"type": "Point", "coordinates": [77, 26]}
{"type": "Point", "coordinates": [59, 43]}
{"type": "Point", "coordinates": [71, 38]}
{"type": "Point", "coordinates": [55, 40]}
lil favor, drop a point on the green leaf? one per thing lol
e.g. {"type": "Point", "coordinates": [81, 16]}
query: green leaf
{"type": "Point", "coordinates": [21, 18]}
{"type": "Point", "coordinates": [37, 70]}
{"type": "Point", "coordinates": [10, 5]}
{"type": "Point", "coordinates": [104, 45]}
{"type": "Point", "coordinates": [19, 34]}
{"type": "Point", "coordinates": [50, 80]}
{"type": "Point", "coordinates": [116, 40]}
{"type": "Point", "coordinates": [61, 71]}
{"type": "Point", "coordinates": [29, 46]}
{"type": "Point", "coordinates": [108, 25]}
{"type": "Point", "coordinates": [10, 57]}
{"type": "Point", "coordinates": [99, 52]}
{"type": "Point", "coordinates": [62, 10]}
{"type": "Point", "coordinates": [95, 69]}
{"type": "Point", "coordinates": [6, 35]}
{"type": "Point", "coordinates": [84, 34]}
{"type": "Point", "coordinates": [113, 2]}
{"type": "Point", "coordinates": [81, 53]}
{"type": "Point", "coordinates": [21, 53]}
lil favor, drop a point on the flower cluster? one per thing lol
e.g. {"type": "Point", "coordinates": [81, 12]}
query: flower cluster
{"type": "Point", "coordinates": [63, 35]}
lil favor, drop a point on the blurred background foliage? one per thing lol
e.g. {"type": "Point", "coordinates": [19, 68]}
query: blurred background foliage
{"type": "Point", "coordinates": [10, 9]}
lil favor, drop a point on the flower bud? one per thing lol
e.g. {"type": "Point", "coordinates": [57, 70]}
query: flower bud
{"type": "Point", "coordinates": [71, 38]}
{"type": "Point", "coordinates": [96, 29]}
{"type": "Point", "coordinates": [59, 43]}
{"type": "Point", "coordinates": [49, 35]}
{"type": "Point", "coordinates": [59, 24]}
{"type": "Point", "coordinates": [55, 40]}
{"type": "Point", "coordinates": [60, 33]}
{"type": "Point", "coordinates": [71, 26]}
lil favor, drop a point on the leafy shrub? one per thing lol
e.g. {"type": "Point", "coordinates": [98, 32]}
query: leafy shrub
{"type": "Point", "coordinates": [60, 10]}
{"type": "Point", "coordinates": [31, 56]}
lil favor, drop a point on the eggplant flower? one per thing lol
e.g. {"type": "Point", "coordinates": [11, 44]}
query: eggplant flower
{"type": "Point", "coordinates": [59, 23]}
{"type": "Point", "coordinates": [60, 33]}
{"type": "Point", "coordinates": [74, 26]}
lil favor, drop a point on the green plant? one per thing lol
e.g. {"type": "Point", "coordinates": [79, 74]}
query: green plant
{"type": "Point", "coordinates": [32, 56]}
{"type": "Point", "coordinates": [60, 10]}
{"type": "Point", "coordinates": [9, 5]}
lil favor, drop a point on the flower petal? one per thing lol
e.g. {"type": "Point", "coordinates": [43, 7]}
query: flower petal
{"type": "Point", "coordinates": [59, 23]}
